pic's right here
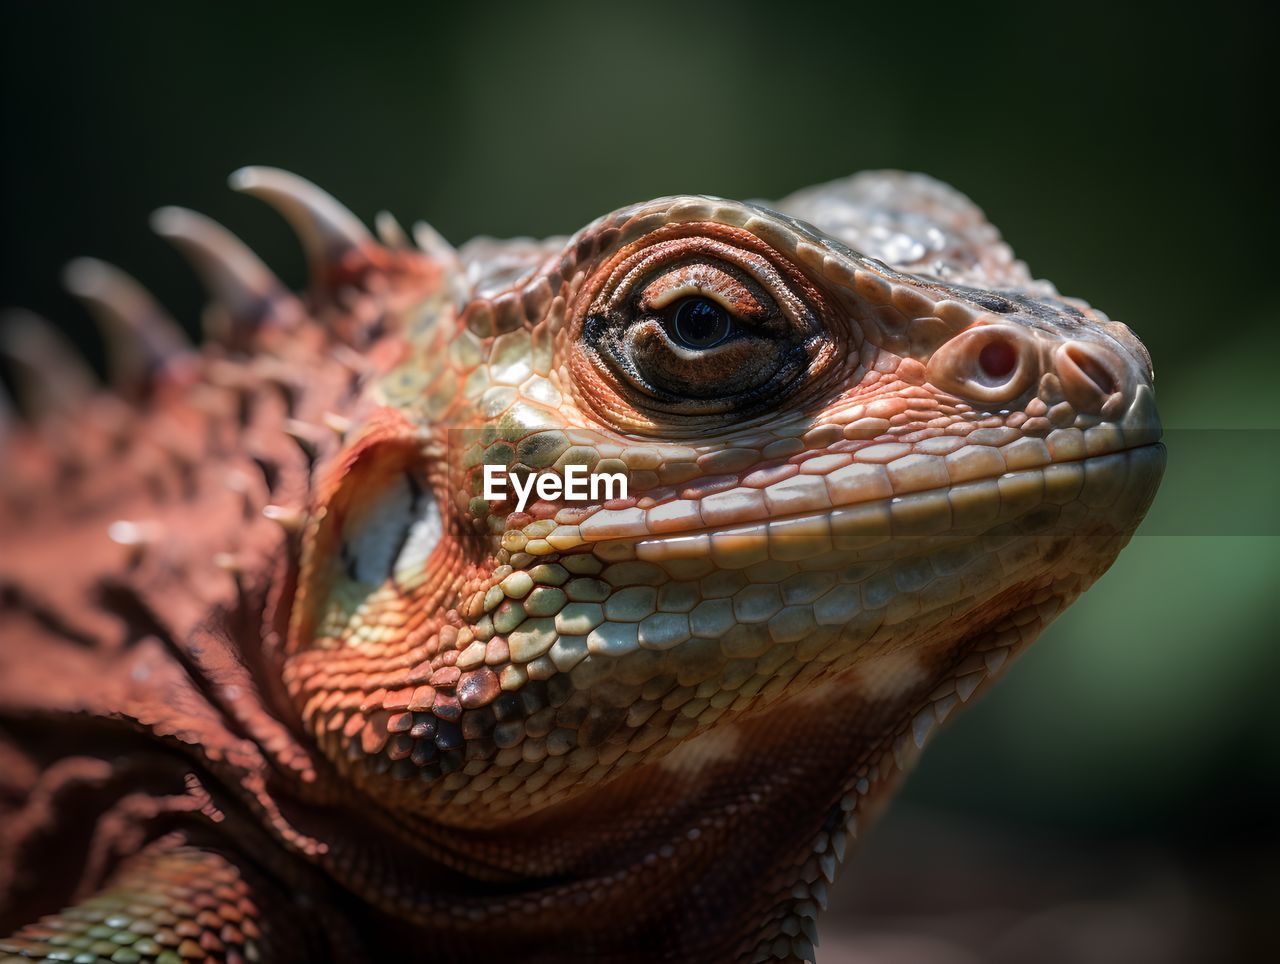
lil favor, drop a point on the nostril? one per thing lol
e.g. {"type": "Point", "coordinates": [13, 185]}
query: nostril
{"type": "Point", "coordinates": [1092, 369]}
{"type": "Point", "coordinates": [989, 364]}
{"type": "Point", "coordinates": [998, 359]}
{"type": "Point", "coordinates": [1088, 374]}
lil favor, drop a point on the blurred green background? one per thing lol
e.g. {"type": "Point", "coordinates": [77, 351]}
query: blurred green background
{"type": "Point", "coordinates": [1116, 798]}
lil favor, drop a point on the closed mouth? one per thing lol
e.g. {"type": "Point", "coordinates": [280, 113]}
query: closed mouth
{"type": "Point", "coordinates": [824, 517]}
{"type": "Point", "coordinates": [964, 510]}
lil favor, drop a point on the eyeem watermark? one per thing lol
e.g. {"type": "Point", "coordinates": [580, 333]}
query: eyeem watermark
{"type": "Point", "coordinates": [575, 485]}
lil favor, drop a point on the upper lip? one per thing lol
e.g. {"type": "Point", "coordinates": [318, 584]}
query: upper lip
{"type": "Point", "coordinates": [627, 525]}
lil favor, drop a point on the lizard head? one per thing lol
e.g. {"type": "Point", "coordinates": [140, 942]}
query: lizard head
{"type": "Point", "coordinates": [853, 491]}
{"type": "Point", "coordinates": [850, 460]}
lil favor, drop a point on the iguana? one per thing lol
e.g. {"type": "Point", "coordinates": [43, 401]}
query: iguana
{"type": "Point", "coordinates": [278, 683]}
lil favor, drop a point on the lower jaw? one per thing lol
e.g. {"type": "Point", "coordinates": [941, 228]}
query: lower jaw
{"type": "Point", "coordinates": [954, 666]}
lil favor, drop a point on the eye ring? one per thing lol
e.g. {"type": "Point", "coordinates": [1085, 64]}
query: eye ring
{"type": "Point", "coordinates": [700, 323]}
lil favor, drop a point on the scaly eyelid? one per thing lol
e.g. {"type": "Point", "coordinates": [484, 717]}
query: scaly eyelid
{"type": "Point", "coordinates": [689, 289]}
{"type": "Point", "coordinates": [692, 354]}
{"type": "Point", "coordinates": [706, 281]}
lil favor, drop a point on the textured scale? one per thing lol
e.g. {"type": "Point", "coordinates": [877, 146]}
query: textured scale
{"type": "Point", "coordinates": [272, 664]}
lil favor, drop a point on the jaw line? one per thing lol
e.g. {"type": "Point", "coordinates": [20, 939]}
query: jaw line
{"type": "Point", "coordinates": [695, 542]}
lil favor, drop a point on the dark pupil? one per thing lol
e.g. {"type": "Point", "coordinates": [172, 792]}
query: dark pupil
{"type": "Point", "coordinates": [701, 323]}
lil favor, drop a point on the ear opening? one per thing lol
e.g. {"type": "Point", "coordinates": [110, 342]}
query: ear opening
{"type": "Point", "coordinates": [374, 529]}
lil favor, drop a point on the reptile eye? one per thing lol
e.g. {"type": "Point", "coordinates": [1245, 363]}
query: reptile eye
{"type": "Point", "coordinates": [698, 326]}
{"type": "Point", "coordinates": [699, 337]}
{"type": "Point", "coordinates": [701, 323]}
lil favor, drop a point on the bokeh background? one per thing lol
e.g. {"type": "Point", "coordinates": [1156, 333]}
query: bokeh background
{"type": "Point", "coordinates": [1116, 798]}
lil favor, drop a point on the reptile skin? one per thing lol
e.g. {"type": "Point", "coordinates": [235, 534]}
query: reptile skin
{"type": "Point", "coordinates": [277, 683]}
